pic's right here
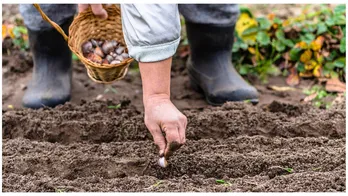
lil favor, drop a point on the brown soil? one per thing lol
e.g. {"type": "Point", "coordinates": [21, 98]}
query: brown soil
{"type": "Point", "coordinates": [84, 146]}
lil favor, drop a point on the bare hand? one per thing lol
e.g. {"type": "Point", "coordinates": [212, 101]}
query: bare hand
{"type": "Point", "coordinates": [97, 10]}
{"type": "Point", "coordinates": [162, 115]}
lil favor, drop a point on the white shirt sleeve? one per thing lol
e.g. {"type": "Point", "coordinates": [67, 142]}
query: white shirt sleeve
{"type": "Point", "coordinates": [151, 32]}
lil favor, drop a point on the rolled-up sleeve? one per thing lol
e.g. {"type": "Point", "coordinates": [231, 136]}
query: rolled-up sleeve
{"type": "Point", "coordinates": [151, 32]}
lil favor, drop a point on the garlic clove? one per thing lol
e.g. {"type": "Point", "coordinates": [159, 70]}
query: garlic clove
{"type": "Point", "coordinates": [105, 61]}
{"type": "Point", "coordinates": [119, 50]}
{"type": "Point", "coordinates": [87, 47]}
{"type": "Point", "coordinates": [109, 58]}
{"type": "Point", "coordinates": [107, 47]}
{"type": "Point", "coordinates": [114, 62]}
{"type": "Point", "coordinates": [114, 43]}
{"type": "Point", "coordinates": [95, 58]}
{"type": "Point", "coordinates": [125, 55]}
{"type": "Point", "coordinates": [100, 43]}
{"type": "Point", "coordinates": [99, 52]}
{"type": "Point", "coordinates": [162, 162]}
{"type": "Point", "coordinates": [119, 57]}
{"type": "Point", "coordinates": [94, 43]}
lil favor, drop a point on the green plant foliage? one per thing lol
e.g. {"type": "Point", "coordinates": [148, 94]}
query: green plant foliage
{"type": "Point", "coordinates": [312, 43]}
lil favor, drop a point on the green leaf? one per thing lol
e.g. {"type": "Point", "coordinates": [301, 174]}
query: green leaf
{"type": "Point", "coordinates": [329, 65]}
{"type": "Point", "coordinates": [243, 70]}
{"type": "Point", "coordinates": [340, 62]}
{"type": "Point", "coordinates": [340, 9]}
{"type": "Point", "coordinates": [157, 183]}
{"type": "Point", "coordinates": [221, 181]}
{"type": "Point", "coordinates": [114, 106]}
{"type": "Point", "coordinates": [74, 57]}
{"type": "Point", "coordinates": [308, 38]}
{"type": "Point", "coordinates": [295, 54]}
{"type": "Point", "coordinates": [317, 104]}
{"type": "Point", "coordinates": [321, 94]}
{"type": "Point", "coordinates": [288, 43]}
{"type": "Point", "coordinates": [280, 34]}
{"type": "Point", "coordinates": [235, 47]}
{"type": "Point", "coordinates": [300, 67]}
{"type": "Point", "coordinates": [263, 38]}
{"type": "Point", "coordinates": [244, 46]}
{"type": "Point", "coordinates": [325, 10]}
{"type": "Point", "coordinates": [264, 23]}
{"type": "Point", "coordinates": [332, 56]}
{"type": "Point", "coordinates": [322, 28]}
{"type": "Point", "coordinates": [333, 74]}
{"type": "Point", "coordinates": [273, 70]}
{"type": "Point", "coordinates": [280, 46]}
{"type": "Point", "coordinates": [339, 19]}
{"type": "Point", "coordinates": [290, 170]}
{"type": "Point", "coordinates": [277, 20]}
{"type": "Point", "coordinates": [246, 10]}
{"type": "Point", "coordinates": [343, 45]}
{"type": "Point", "coordinates": [250, 31]}
{"type": "Point", "coordinates": [330, 21]}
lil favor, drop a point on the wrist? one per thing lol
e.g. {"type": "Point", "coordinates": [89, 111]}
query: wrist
{"type": "Point", "coordinates": [156, 97]}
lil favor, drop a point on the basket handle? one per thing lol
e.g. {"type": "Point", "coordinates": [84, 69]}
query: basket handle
{"type": "Point", "coordinates": [54, 25]}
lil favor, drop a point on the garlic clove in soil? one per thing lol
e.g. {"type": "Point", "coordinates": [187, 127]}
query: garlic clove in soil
{"type": "Point", "coordinates": [162, 162]}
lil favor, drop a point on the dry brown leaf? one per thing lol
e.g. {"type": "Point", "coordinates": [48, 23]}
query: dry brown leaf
{"type": "Point", "coordinates": [281, 88]}
{"type": "Point", "coordinates": [310, 97]}
{"type": "Point", "coordinates": [293, 79]}
{"type": "Point", "coordinates": [335, 85]}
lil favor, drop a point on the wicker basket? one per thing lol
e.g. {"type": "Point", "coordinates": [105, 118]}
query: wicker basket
{"type": "Point", "coordinates": [87, 26]}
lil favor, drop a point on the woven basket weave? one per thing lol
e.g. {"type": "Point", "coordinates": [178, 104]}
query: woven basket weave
{"type": "Point", "coordinates": [87, 26]}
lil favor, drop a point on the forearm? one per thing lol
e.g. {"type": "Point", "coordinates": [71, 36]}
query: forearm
{"type": "Point", "coordinates": [155, 79]}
